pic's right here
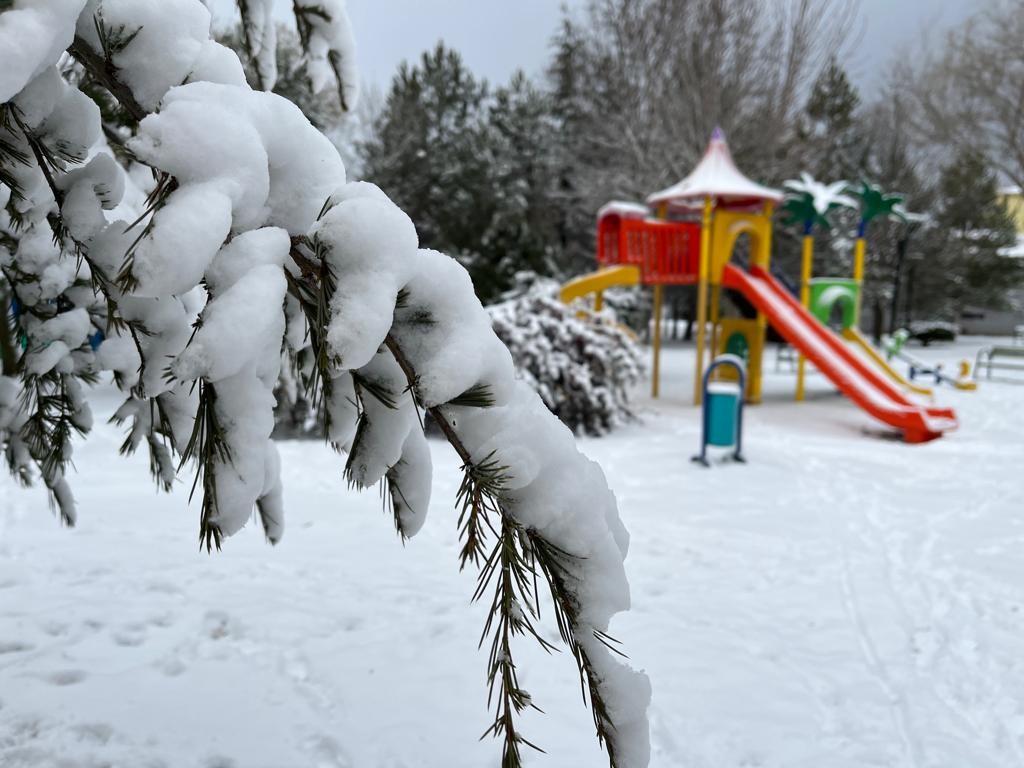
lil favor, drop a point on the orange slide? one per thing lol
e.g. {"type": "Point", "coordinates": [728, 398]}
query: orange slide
{"type": "Point", "coordinates": [832, 357]}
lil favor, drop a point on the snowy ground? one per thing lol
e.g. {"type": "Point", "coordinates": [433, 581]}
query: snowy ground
{"type": "Point", "coordinates": [842, 601]}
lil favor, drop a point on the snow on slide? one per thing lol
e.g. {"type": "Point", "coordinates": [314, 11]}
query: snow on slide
{"type": "Point", "coordinates": [831, 356]}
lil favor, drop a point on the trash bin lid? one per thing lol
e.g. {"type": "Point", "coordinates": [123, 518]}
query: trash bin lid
{"type": "Point", "coordinates": [724, 388]}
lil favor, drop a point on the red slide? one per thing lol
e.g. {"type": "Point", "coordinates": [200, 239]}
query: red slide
{"type": "Point", "coordinates": [832, 357]}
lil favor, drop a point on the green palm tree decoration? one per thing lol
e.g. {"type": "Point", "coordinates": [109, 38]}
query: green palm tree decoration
{"type": "Point", "coordinates": [874, 203]}
{"type": "Point", "coordinates": [799, 209]}
{"type": "Point", "coordinates": [809, 202]}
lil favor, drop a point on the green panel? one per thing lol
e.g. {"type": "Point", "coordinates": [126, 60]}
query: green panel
{"type": "Point", "coordinates": [828, 292]}
{"type": "Point", "coordinates": [738, 345]}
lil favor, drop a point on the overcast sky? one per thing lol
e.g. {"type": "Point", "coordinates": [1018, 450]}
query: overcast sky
{"type": "Point", "coordinates": [498, 36]}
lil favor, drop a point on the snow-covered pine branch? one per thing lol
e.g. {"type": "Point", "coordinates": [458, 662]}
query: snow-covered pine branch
{"type": "Point", "coordinates": [326, 35]}
{"type": "Point", "coordinates": [231, 235]}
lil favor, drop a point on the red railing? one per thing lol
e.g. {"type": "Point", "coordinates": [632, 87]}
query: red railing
{"type": "Point", "coordinates": [666, 252]}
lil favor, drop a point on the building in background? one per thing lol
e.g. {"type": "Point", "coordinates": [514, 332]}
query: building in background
{"type": "Point", "coordinates": [1013, 199]}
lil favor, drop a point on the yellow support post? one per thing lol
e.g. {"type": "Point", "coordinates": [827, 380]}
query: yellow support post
{"type": "Point", "coordinates": [714, 313]}
{"type": "Point", "coordinates": [858, 260]}
{"type": "Point", "coordinates": [599, 301]}
{"type": "Point", "coordinates": [702, 300]}
{"type": "Point", "coordinates": [806, 270]}
{"type": "Point", "coordinates": [858, 274]}
{"type": "Point", "coordinates": [656, 372]}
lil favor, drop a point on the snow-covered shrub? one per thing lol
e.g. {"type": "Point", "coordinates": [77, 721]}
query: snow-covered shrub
{"type": "Point", "coordinates": [207, 235]}
{"type": "Point", "coordinates": [582, 367]}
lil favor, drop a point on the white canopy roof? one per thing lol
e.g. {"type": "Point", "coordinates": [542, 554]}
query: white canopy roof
{"type": "Point", "coordinates": [716, 176]}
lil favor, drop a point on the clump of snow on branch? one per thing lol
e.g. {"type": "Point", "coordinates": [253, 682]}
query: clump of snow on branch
{"type": "Point", "coordinates": [326, 34]}
{"type": "Point", "coordinates": [33, 35]}
{"type": "Point", "coordinates": [259, 33]}
{"type": "Point", "coordinates": [251, 251]}
{"type": "Point", "coordinates": [582, 368]}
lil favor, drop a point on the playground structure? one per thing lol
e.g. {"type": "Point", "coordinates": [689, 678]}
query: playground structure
{"type": "Point", "coordinates": [687, 235]}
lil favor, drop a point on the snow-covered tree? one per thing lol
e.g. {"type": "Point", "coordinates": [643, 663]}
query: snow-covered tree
{"type": "Point", "coordinates": [522, 234]}
{"type": "Point", "coordinates": [430, 152]}
{"type": "Point", "coordinates": [582, 368]}
{"type": "Point", "coordinates": [223, 232]}
{"type": "Point", "coordinates": [979, 231]}
{"type": "Point", "coordinates": [443, 130]}
{"type": "Point", "coordinates": [832, 143]}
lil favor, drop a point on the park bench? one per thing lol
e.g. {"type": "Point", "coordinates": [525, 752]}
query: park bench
{"type": "Point", "coordinates": [1000, 359]}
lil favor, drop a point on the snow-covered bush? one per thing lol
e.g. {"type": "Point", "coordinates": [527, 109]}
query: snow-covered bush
{"type": "Point", "coordinates": [582, 368]}
{"type": "Point", "coordinates": [206, 235]}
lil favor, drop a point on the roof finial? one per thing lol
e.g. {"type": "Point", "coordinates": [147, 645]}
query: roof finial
{"type": "Point", "coordinates": [718, 134]}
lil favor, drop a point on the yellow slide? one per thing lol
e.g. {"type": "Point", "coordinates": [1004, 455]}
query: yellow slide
{"type": "Point", "coordinates": [855, 336]}
{"type": "Point", "coordinates": [598, 282]}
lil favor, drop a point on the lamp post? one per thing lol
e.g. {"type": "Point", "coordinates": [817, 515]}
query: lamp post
{"type": "Point", "coordinates": [912, 221]}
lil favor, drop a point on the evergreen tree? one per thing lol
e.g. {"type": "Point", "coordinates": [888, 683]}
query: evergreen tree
{"type": "Point", "coordinates": [430, 153]}
{"type": "Point", "coordinates": [480, 170]}
{"type": "Point", "coordinates": [978, 229]}
{"type": "Point", "coordinates": [573, 203]}
{"type": "Point", "coordinates": [523, 231]}
{"type": "Point", "coordinates": [833, 147]}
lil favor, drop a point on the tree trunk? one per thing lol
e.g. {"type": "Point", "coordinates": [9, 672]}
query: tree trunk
{"type": "Point", "coordinates": [877, 320]}
{"type": "Point", "coordinates": [8, 358]}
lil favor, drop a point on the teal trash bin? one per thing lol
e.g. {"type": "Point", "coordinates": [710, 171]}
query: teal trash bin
{"type": "Point", "coordinates": [723, 404]}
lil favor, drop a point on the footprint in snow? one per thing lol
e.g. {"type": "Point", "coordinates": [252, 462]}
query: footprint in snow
{"type": "Point", "coordinates": [67, 677]}
{"type": "Point", "coordinates": [130, 637]}
{"type": "Point", "coordinates": [163, 588]}
{"type": "Point", "coordinates": [218, 625]}
{"type": "Point", "coordinates": [97, 733]}
{"type": "Point", "coordinates": [171, 667]}
{"type": "Point", "coordinates": [14, 647]}
{"type": "Point", "coordinates": [55, 628]}
{"type": "Point", "coordinates": [296, 666]}
{"type": "Point", "coordinates": [327, 753]}
{"type": "Point", "coordinates": [219, 761]}
{"type": "Point", "coordinates": [162, 620]}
